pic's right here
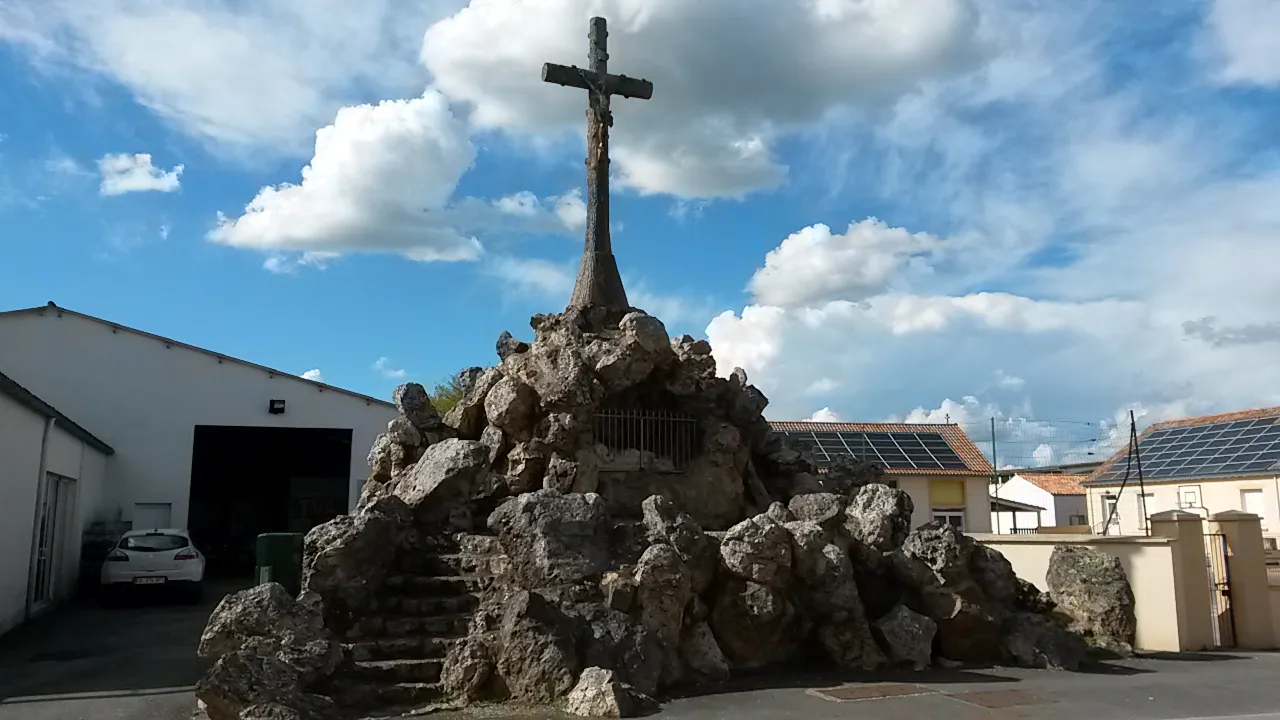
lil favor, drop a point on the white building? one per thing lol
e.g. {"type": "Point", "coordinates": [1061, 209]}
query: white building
{"type": "Point", "coordinates": [1049, 499]}
{"type": "Point", "coordinates": [224, 447]}
{"type": "Point", "coordinates": [52, 475]}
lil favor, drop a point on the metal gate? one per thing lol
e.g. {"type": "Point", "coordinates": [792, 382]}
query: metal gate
{"type": "Point", "coordinates": [1222, 619]}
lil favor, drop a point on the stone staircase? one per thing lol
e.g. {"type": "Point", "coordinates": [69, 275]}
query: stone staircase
{"type": "Point", "coordinates": [424, 606]}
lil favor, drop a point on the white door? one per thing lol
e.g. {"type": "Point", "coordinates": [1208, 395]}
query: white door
{"type": "Point", "coordinates": [56, 518]}
{"type": "Point", "coordinates": [1251, 502]}
{"type": "Point", "coordinates": [151, 516]}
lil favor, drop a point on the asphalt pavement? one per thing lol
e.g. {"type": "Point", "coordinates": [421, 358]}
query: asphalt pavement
{"type": "Point", "coordinates": [88, 662]}
{"type": "Point", "coordinates": [138, 662]}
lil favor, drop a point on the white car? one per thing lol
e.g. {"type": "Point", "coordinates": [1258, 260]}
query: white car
{"type": "Point", "coordinates": [155, 558]}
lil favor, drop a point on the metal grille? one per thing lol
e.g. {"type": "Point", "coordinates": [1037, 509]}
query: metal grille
{"type": "Point", "coordinates": [671, 436]}
{"type": "Point", "coordinates": [1221, 617]}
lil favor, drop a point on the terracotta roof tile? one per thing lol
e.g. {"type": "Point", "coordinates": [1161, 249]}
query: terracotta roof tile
{"type": "Point", "coordinates": [1255, 414]}
{"type": "Point", "coordinates": [969, 453]}
{"type": "Point", "coordinates": [1055, 483]}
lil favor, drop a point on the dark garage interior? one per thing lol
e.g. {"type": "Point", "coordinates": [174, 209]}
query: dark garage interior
{"type": "Point", "coordinates": [246, 481]}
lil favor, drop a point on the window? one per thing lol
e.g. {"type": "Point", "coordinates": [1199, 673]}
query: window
{"type": "Point", "coordinates": [955, 518]}
{"type": "Point", "coordinates": [1077, 520]}
{"type": "Point", "coordinates": [1251, 502]}
{"type": "Point", "coordinates": [1146, 506]}
{"type": "Point", "coordinates": [153, 543]}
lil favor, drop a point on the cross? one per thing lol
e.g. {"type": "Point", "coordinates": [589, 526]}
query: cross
{"type": "Point", "coordinates": [599, 283]}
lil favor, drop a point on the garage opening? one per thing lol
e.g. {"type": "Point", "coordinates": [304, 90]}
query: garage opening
{"type": "Point", "coordinates": [246, 481]}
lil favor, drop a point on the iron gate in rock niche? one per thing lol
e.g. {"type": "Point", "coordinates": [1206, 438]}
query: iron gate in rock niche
{"type": "Point", "coordinates": [1222, 620]}
{"type": "Point", "coordinates": [668, 437]}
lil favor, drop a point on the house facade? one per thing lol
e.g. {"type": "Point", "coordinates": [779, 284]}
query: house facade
{"type": "Point", "coordinates": [1057, 499]}
{"type": "Point", "coordinates": [936, 464]}
{"type": "Point", "coordinates": [1202, 465]}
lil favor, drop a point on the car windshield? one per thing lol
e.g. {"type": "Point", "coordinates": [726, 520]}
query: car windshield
{"type": "Point", "coordinates": [153, 543]}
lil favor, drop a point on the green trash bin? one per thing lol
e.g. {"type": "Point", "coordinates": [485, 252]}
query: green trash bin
{"type": "Point", "coordinates": [279, 559]}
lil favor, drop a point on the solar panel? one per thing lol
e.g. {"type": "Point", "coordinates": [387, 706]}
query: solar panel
{"type": "Point", "coordinates": [1215, 449]}
{"type": "Point", "coordinates": [894, 451]}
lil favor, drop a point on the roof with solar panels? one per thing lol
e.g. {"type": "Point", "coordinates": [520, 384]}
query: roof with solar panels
{"type": "Point", "coordinates": [1236, 444]}
{"type": "Point", "coordinates": [900, 448]}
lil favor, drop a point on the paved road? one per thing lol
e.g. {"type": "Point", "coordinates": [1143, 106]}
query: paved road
{"type": "Point", "coordinates": [135, 662]}
{"type": "Point", "coordinates": [139, 663]}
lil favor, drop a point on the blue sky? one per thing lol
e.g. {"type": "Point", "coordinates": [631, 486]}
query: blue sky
{"type": "Point", "coordinates": [956, 208]}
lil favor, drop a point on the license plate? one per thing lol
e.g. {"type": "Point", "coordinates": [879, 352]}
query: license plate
{"type": "Point", "coordinates": [148, 581]}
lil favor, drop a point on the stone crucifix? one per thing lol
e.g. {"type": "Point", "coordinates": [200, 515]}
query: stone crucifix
{"type": "Point", "coordinates": [599, 283]}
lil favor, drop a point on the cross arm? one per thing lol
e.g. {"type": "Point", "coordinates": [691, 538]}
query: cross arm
{"type": "Point", "coordinates": [573, 76]}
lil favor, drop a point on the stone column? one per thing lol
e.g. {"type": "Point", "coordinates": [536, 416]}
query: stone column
{"type": "Point", "coordinates": [1191, 576]}
{"type": "Point", "coordinates": [1247, 566]}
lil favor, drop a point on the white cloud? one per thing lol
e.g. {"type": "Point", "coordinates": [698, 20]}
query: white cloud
{"type": "Point", "coordinates": [383, 367]}
{"type": "Point", "coordinates": [825, 414]}
{"type": "Point", "coordinates": [822, 386]}
{"type": "Point", "coordinates": [313, 375]}
{"type": "Point", "coordinates": [532, 276]}
{"type": "Point", "coordinates": [1244, 35]}
{"type": "Point", "coordinates": [722, 97]}
{"type": "Point", "coordinates": [289, 265]}
{"type": "Point", "coordinates": [1005, 381]}
{"type": "Point", "coordinates": [122, 173]}
{"type": "Point", "coordinates": [814, 265]}
{"type": "Point", "coordinates": [253, 77]}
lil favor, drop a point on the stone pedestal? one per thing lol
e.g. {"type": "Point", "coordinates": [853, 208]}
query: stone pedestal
{"type": "Point", "coordinates": [1250, 592]}
{"type": "Point", "coordinates": [1191, 576]}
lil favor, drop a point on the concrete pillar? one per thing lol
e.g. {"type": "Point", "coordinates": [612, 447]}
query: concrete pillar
{"type": "Point", "coordinates": [1247, 566]}
{"type": "Point", "coordinates": [1190, 576]}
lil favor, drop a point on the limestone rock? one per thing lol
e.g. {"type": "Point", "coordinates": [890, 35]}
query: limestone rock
{"type": "Point", "coordinates": [755, 625]}
{"type": "Point", "coordinates": [449, 473]}
{"type": "Point", "coordinates": [266, 622]}
{"type": "Point", "coordinates": [824, 509]}
{"type": "Point", "coordinates": [663, 590]}
{"type": "Point", "coordinates": [467, 416]}
{"type": "Point", "coordinates": [779, 513]}
{"type": "Point", "coordinates": [612, 640]}
{"type": "Point", "coordinates": [382, 456]}
{"type": "Point", "coordinates": [879, 517]}
{"type": "Point", "coordinates": [239, 680]}
{"type": "Point", "coordinates": [553, 538]}
{"type": "Point", "coordinates": [994, 574]}
{"type": "Point", "coordinates": [511, 405]}
{"type": "Point", "coordinates": [496, 440]}
{"type": "Point", "coordinates": [624, 361]}
{"type": "Point", "coordinates": [468, 668]}
{"type": "Point", "coordinates": [414, 404]}
{"type": "Point", "coordinates": [619, 590]}
{"type": "Point", "coordinates": [526, 467]}
{"type": "Point", "coordinates": [846, 474]}
{"type": "Point", "coordinates": [538, 661]}
{"type": "Point", "coordinates": [345, 560]}
{"type": "Point", "coordinates": [1032, 641]}
{"type": "Point", "coordinates": [555, 368]}
{"type": "Point", "coordinates": [698, 550]}
{"type": "Point", "coordinates": [403, 432]}
{"type": "Point", "coordinates": [600, 694]}
{"type": "Point", "coordinates": [906, 636]}
{"type": "Point", "coordinates": [702, 654]}
{"type": "Point", "coordinates": [1091, 587]}
{"type": "Point", "coordinates": [508, 345]}
{"type": "Point", "coordinates": [758, 549]}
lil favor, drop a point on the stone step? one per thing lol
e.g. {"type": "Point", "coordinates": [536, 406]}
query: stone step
{"type": "Point", "coordinates": [419, 648]}
{"type": "Point", "coordinates": [435, 585]}
{"type": "Point", "coordinates": [367, 696]}
{"type": "Point", "coordinates": [390, 672]}
{"type": "Point", "coordinates": [405, 626]}
{"type": "Point", "coordinates": [425, 606]}
{"type": "Point", "coordinates": [453, 564]}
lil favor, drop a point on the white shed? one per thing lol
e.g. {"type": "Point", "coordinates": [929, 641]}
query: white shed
{"type": "Point", "coordinates": [224, 447]}
{"type": "Point", "coordinates": [52, 473]}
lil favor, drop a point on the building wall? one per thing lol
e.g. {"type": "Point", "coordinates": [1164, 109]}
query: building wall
{"type": "Point", "coordinates": [1018, 489]}
{"type": "Point", "coordinates": [1066, 506]}
{"type": "Point", "coordinates": [1215, 496]}
{"type": "Point", "coordinates": [21, 438]}
{"type": "Point", "coordinates": [144, 398]}
{"type": "Point", "coordinates": [1004, 522]}
{"type": "Point", "coordinates": [975, 502]}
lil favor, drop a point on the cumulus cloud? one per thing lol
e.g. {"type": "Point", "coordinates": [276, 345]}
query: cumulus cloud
{"type": "Point", "coordinates": [721, 98]}
{"type": "Point", "coordinates": [250, 77]}
{"type": "Point", "coordinates": [122, 173]}
{"type": "Point", "coordinates": [289, 265]}
{"type": "Point", "coordinates": [313, 375]}
{"type": "Point", "coordinates": [383, 367]}
{"type": "Point", "coordinates": [825, 414]}
{"type": "Point", "coordinates": [814, 265]}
